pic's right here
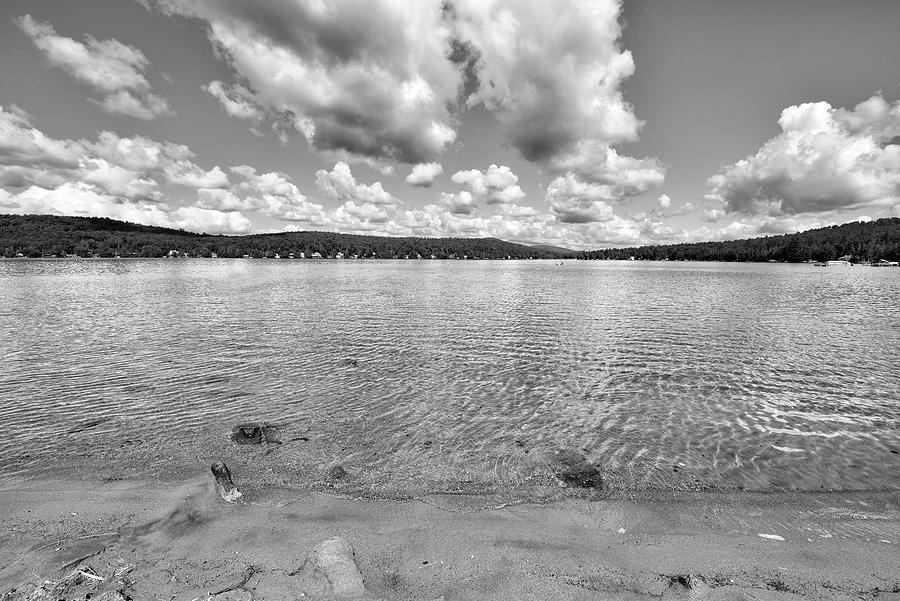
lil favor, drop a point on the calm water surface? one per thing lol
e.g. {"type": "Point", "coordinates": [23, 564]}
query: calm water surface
{"type": "Point", "coordinates": [425, 376]}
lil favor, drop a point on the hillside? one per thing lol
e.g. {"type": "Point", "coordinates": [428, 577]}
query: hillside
{"type": "Point", "coordinates": [50, 235]}
{"type": "Point", "coordinates": [859, 240]}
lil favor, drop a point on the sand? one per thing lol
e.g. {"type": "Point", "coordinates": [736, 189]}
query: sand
{"type": "Point", "coordinates": [180, 541]}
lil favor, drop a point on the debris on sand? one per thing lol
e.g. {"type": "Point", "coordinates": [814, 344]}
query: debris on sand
{"type": "Point", "coordinates": [330, 568]}
{"type": "Point", "coordinates": [224, 485]}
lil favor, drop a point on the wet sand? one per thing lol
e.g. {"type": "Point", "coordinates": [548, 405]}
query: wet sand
{"type": "Point", "coordinates": [180, 541]}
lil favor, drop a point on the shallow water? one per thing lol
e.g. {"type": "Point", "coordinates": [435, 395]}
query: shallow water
{"type": "Point", "coordinates": [425, 376]}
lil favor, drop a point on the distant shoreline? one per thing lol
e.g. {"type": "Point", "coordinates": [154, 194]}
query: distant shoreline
{"type": "Point", "coordinates": [40, 235]}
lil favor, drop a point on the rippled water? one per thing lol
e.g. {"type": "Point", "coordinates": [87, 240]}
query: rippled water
{"type": "Point", "coordinates": [424, 376]}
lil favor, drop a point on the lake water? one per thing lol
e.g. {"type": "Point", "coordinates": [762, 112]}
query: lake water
{"type": "Point", "coordinates": [429, 376]}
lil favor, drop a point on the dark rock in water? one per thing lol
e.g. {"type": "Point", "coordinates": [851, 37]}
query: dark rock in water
{"type": "Point", "coordinates": [336, 472]}
{"type": "Point", "coordinates": [255, 434]}
{"type": "Point", "coordinates": [575, 471]}
{"type": "Point", "coordinates": [351, 362]}
{"type": "Point", "coordinates": [247, 434]}
{"type": "Point", "coordinates": [224, 485]}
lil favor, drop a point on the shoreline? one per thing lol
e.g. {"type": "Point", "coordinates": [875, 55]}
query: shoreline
{"type": "Point", "coordinates": [146, 540]}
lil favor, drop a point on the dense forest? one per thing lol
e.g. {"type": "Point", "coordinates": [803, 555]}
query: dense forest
{"type": "Point", "coordinates": [857, 241]}
{"type": "Point", "coordinates": [54, 236]}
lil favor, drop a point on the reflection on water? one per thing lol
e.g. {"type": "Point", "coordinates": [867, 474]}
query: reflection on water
{"type": "Point", "coordinates": [420, 376]}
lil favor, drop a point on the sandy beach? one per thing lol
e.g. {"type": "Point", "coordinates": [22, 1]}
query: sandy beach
{"type": "Point", "coordinates": [180, 541]}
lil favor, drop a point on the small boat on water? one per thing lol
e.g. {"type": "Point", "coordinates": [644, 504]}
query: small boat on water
{"type": "Point", "coordinates": [838, 263]}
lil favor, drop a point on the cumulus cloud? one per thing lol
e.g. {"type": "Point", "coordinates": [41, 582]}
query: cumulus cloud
{"type": "Point", "coordinates": [274, 194]}
{"type": "Point", "coordinates": [186, 173]}
{"type": "Point", "coordinates": [462, 203]}
{"type": "Point", "coordinates": [497, 185]}
{"type": "Point", "coordinates": [211, 221]}
{"type": "Point", "coordinates": [387, 81]}
{"type": "Point", "coordinates": [339, 184]}
{"type": "Point", "coordinates": [750, 226]}
{"type": "Point", "coordinates": [115, 177]}
{"type": "Point", "coordinates": [23, 144]}
{"type": "Point", "coordinates": [237, 101]}
{"type": "Point", "coordinates": [221, 199]}
{"type": "Point", "coordinates": [665, 201]}
{"type": "Point", "coordinates": [118, 181]}
{"type": "Point", "coordinates": [365, 208]}
{"type": "Point", "coordinates": [550, 71]}
{"type": "Point", "coordinates": [424, 174]}
{"type": "Point", "coordinates": [110, 67]}
{"type": "Point", "coordinates": [824, 159]}
{"type": "Point", "coordinates": [83, 199]}
{"type": "Point", "coordinates": [575, 201]}
{"type": "Point", "coordinates": [367, 80]}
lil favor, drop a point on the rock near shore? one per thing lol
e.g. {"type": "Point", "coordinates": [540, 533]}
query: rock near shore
{"type": "Point", "coordinates": [330, 568]}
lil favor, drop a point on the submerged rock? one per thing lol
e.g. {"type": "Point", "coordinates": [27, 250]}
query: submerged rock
{"type": "Point", "coordinates": [255, 434]}
{"type": "Point", "coordinates": [574, 470]}
{"type": "Point", "coordinates": [336, 472]}
{"type": "Point", "coordinates": [331, 568]}
{"type": "Point", "coordinates": [224, 485]}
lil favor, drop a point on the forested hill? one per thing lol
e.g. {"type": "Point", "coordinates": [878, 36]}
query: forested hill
{"type": "Point", "coordinates": [49, 235]}
{"type": "Point", "coordinates": [859, 241]}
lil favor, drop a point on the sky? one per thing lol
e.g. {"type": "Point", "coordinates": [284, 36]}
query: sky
{"type": "Point", "coordinates": [577, 123]}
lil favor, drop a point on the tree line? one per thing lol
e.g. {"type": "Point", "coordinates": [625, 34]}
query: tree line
{"type": "Point", "coordinates": [56, 236]}
{"type": "Point", "coordinates": [858, 241]}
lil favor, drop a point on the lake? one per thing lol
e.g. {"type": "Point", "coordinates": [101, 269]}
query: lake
{"type": "Point", "coordinates": [428, 376]}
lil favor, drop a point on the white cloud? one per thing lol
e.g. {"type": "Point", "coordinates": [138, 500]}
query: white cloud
{"type": "Point", "coordinates": [320, 67]}
{"type": "Point", "coordinates": [125, 102]}
{"type": "Point", "coordinates": [197, 219]}
{"type": "Point", "coordinates": [82, 199]}
{"type": "Point", "coordinates": [714, 214]}
{"type": "Point", "coordinates": [665, 201]}
{"type": "Point", "coordinates": [424, 174]}
{"type": "Point", "coordinates": [117, 181]}
{"type": "Point", "coordinates": [109, 66]}
{"type": "Point", "coordinates": [575, 201]}
{"type": "Point", "coordinates": [339, 184]}
{"type": "Point", "coordinates": [275, 195]}
{"type": "Point", "coordinates": [221, 199]}
{"type": "Point", "coordinates": [186, 173]}
{"type": "Point", "coordinates": [23, 144]}
{"type": "Point", "coordinates": [237, 101]}
{"type": "Point", "coordinates": [751, 226]}
{"type": "Point", "coordinates": [599, 163]}
{"type": "Point", "coordinates": [824, 159]}
{"type": "Point", "coordinates": [138, 153]}
{"type": "Point", "coordinates": [462, 203]}
{"type": "Point", "coordinates": [497, 185]}
{"type": "Point", "coordinates": [552, 73]}
{"type": "Point", "coordinates": [114, 177]}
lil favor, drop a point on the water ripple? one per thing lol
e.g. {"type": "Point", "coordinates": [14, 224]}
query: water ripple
{"type": "Point", "coordinates": [426, 376]}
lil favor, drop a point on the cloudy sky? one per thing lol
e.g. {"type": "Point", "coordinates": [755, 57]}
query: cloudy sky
{"type": "Point", "coordinates": [581, 123]}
